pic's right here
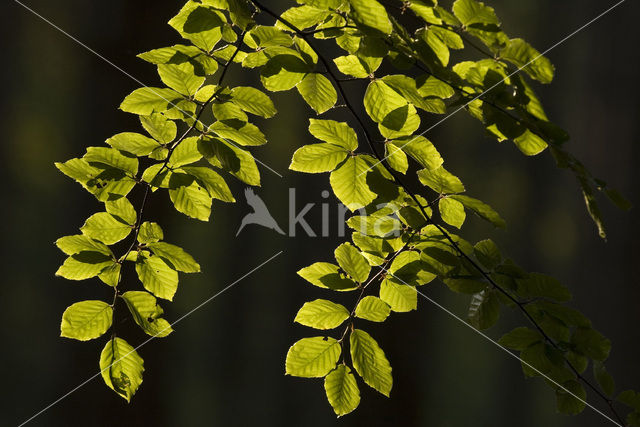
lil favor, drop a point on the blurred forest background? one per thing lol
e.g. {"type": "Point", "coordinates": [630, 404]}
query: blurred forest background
{"type": "Point", "coordinates": [224, 365]}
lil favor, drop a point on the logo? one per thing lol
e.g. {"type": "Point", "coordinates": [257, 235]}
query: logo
{"type": "Point", "coordinates": [260, 214]}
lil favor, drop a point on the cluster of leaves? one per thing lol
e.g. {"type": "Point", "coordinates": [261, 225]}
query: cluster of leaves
{"type": "Point", "coordinates": [400, 241]}
{"type": "Point", "coordinates": [396, 232]}
{"type": "Point", "coordinates": [164, 159]}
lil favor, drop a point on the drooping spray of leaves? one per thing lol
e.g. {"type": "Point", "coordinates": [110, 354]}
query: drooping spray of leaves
{"type": "Point", "coordinates": [401, 239]}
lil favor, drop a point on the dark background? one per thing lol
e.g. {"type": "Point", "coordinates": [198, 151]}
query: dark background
{"type": "Point", "coordinates": [224, 365]}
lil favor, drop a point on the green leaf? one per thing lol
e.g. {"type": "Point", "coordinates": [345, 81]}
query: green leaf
{"type": "Point", "coordinates": [322, 4]}
{"type": "Point", "coordinates": [146, 313]}
{"type": "Point", "coordinates": [396, 158]}
{"type": "Point", "coordinates": [349, 183]}
{"type": "Point", "coordinates": [212, 181]}
{"type": "Point", "coordinates": [156, 276]}
{"type": "Point", "coordinates": [318, 92]}
{"type": "Point", "coordinates": [179, 54]}
{"type": "Point", "coordinates": [105, 228]}
{"type": "Point", "coordinates": [484, 309]}
{"type": "Point", "coordinates": [150, 232]}
{"type": "Point", "coordinates": [148, 100]}
{"type": "Point", "coordinates": [327, 275]}
{"type": "Point", "coordinates": [567, 402]}
{"type": "Point", "coordinates": [236, 161]}
{"type": "Point", "coordinates": [353, 66]}
{"type": "Point", "coordinates": [283, 72]}
{"type": "Point", "coordinates": [109, 184]}
{"type": "Point", "coordinates": [240, 13]}
{"type": "Point", "coordinates": [133, 143]}
{"type": "Point", "coordinates": [373, 309]}
{"type": "Point", "coordinates": [520, 338]}
{"type": "Point", "coordinates": [437, 46]}
{"type": "Point", "coordinates": [122, 210]}
{"type": "Point", "coordinates": [370, 362]}
{"type": "Point", "coordinates": [566, 315]}
{"type": "Point", "coordinates": [371, 14]}
{"type": "Point", "coordinates": [317, 158]}
{"type": "Point", "coordinates": [374, 249]}
{"type": "Point", "coordinates": [333, 132]}
{"type": "Point", "coordinates": [352, 262]}
{"type": "Point", "coordinates": [239, 132]}
{"type": "Point", "coordinates": [84, 265]}
{"type": "Point", "coordinates": [538, 285]}
{"type": "Point", "coordinates": [400, 297]}
{"type": "Point", "coordinates": [111, 274]}
{"type": "Point", "coordinates": [159, 127]}
{"type": "Point", "coordinates": [407, 267]}
{"type": "Point", "coordinates": [264, 36]}
{"type": "Point", "coordinates": [121, 367]}
{"type": "Point", "coordinates": [452, 211]}
{"type": "Point", "coordinates": [530, 144]}
{"type": "Point", "coordinates": [432, 87]}
{"type": "Point", "coordinates": [471, 12]}
{"type": "Point", "coordinates": [313, 357]}
{"type": "Point", "coordinates": [421, 149]}
{"type": "Point", "coordinates": [481, 209]}
{"type": "Point", "coordinates": [487, 253]}
{"type": "Point", "coordinates": [374, 225]}
{"type": "Point", "coordinates": [104, 158]}
{"type": "Point", "coordinates": [202, 25]}
{"type": "Point", "coordinates": [342, 390]}
{"type": "Point", "coordinates": [302, 17]}
{"type": "Point", "coordinates": [86, 320]}
{"type": "Point", "coordinates": [185, 153]}
{"type": "Point", "coordinates": [380, 101]}
{"type": "Point", "coordinates": [189, 197]}
{"type": "Point", "coordinates": [522, 55]}
{"type": "Point", "coordinates": [322, 314]}
{"type": "Point", "coordinates": [407, 87]}
{"type": "Point", "coordinates": [229, 112]}
{"type": "Point", "coordinates": [175, 257]}
{"type": "Point", "coordinates": [630, 398]}
{"type": "Point", "coordinates": [463, 285]}
{"type": "Point", "coordinates": [591, 343]}
{"type": "Point", "coordinates": [157, 175]}
{"type": "Point", "coordinates": [253, 101]}
{"type": "Point", "coordinates": [72, 245]}
{"type": "Point", "coordinates": [181, 78]}
{"type": "Point", "coordinates": [441, 181]}
{"type": "Point", "coordinates": [449, 37]}
{"type": "Point", "coordinates": [604, 378]}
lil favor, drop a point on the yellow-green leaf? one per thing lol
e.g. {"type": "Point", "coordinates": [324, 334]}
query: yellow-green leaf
{"type": "Point", "coordinates": [121, 367]}
{"type": "Point", "coordinates": [86, 320]}
{"type": "Point", "coordinates": [313, 357]}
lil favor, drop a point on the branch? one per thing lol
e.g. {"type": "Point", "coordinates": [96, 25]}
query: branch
{"type": "Point", "coordinates": [427, 217]}
{"type": "Point", "coordinates": [145, 197]}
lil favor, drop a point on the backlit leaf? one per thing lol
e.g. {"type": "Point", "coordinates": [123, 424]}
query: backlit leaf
{"type": "Point", "coordinates": [351, 260]}
{"type": "Point", "coordinates": [313, 357]}
{"type": "Point", "coordinates": [86, 320]}
{"type": "Point", "coordinates": [342, 390]}
{"type": "Point", "coordinates": [318, 92]}
{"type": "Point", "coordinates": [370, 362]}
{"type": "Point", "coordinates": [373, 309]}
{"type": "Point", "coordinates": [317, 158]}
{"type": "Point", "coordinates": [146, 313]}
{"type": "Point", "coordinates": [121, 367]}
{"type": "Point", "coordinates": [157, 277]}
{"type": "Point", "coordinates": [322, 314]}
